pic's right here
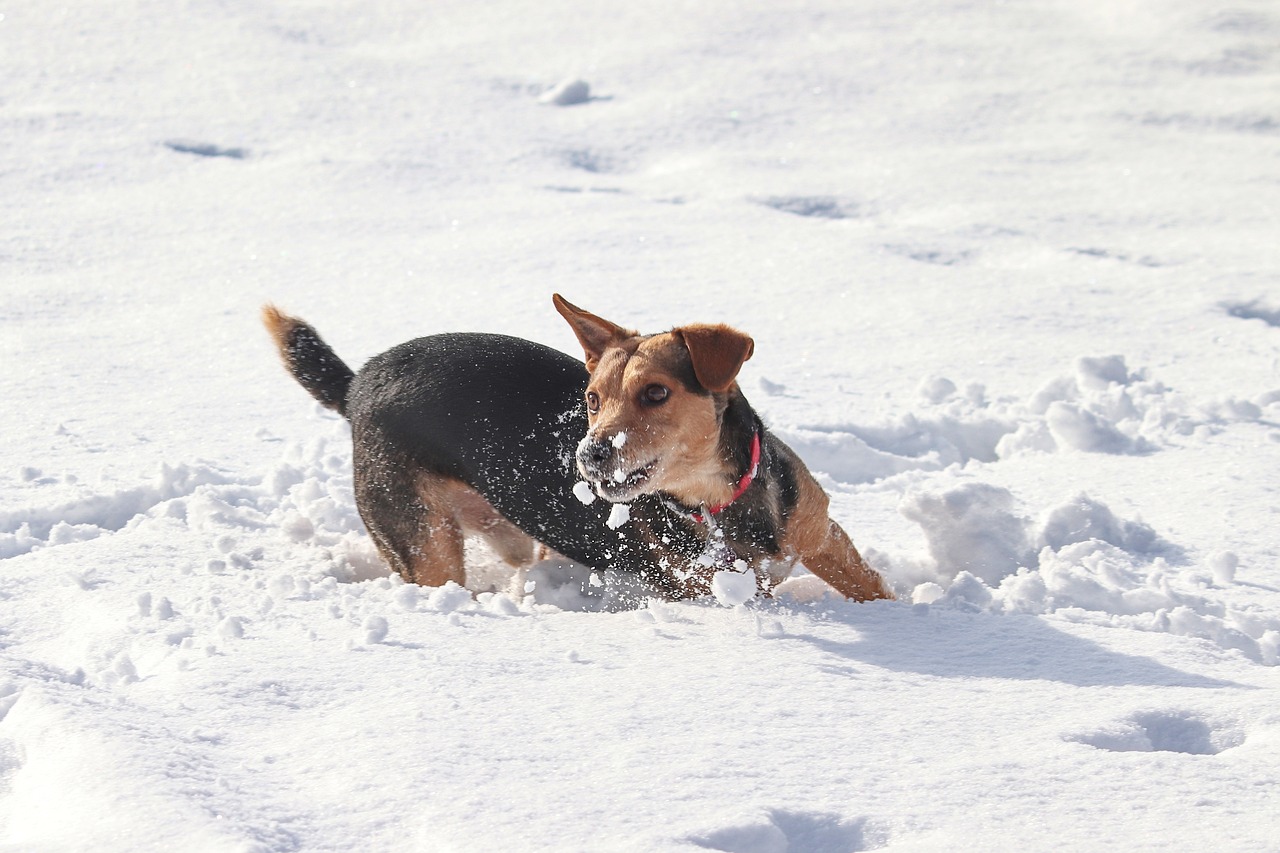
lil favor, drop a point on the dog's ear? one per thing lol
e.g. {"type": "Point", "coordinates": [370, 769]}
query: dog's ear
{"type": "Point", "coordinates": [717, 353]}
{"type": "Point", "coordinates": [594, 333]}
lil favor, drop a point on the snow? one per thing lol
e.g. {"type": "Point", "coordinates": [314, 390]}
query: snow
{"type": "Point", "coordinates": [619, 514]}
{"type": "Point", "coordinates": [734, 587]}
{"type": "Point", "coordinates": [583, 492]}
{"type": "Point", "coordinates": [1011, 274]}
{"type": "Point", "coordinates": [567, 93]}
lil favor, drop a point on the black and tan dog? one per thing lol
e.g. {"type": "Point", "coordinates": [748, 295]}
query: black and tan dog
{"type": "Point", "coordinates": [488, 434]}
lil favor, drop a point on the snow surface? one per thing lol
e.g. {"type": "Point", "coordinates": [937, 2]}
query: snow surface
{"type": "Point", "coordinates": [1011, 269]}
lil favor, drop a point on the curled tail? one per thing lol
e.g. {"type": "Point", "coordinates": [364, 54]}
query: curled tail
{"type": "Point", "coordinates": [316, 367]}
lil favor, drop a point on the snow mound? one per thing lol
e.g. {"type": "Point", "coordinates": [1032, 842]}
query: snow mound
{"type": "Point", "coordinates": [1101, 407]}
{"type": "Point", "coordinates": [972, 529]}
{"type": "Point", "coordinates": [1078, 561]}
{"type": "Point", "coordinates": [567, 93]}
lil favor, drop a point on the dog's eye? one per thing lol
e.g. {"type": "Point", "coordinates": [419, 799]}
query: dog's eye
{"type": "Point", "coordinates": [655, 394]}
{"type": "Point", "coordinates": [593, 402]}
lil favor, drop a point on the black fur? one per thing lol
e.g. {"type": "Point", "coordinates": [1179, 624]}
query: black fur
{"type": "Point", "coordinates": [316, 366]}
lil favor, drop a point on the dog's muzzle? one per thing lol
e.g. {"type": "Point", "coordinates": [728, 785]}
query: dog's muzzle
{"type": "Point", "coordinates": [613, 477]}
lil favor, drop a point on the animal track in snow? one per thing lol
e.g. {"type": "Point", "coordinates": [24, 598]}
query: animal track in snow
{"type": "Point", "coordinates": [929, 255]}
{"type": "Point", "coordinates": [816, 206]}
{"type": "Point", "coordinates": [205, 149]}
{"type": "Point", "coordinates": [783, 831]}
{"type": "Point", "coordinates": [1254, 310]}
{"type": "Point", "coordinates": [1163, 731]}
{"type": "Point", "coordinates": [1109, 254]}
{"type": "Point", "coordinates": [588, 160]}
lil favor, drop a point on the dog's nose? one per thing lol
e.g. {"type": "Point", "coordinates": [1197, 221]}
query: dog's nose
{"type": "Point", "coordinates": [594, 454]}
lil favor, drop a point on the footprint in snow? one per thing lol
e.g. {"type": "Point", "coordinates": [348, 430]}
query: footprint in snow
{"type": "Point", "coordinates": [205, 149]}
{"type": "Point", "coordinates": [1163, 731]}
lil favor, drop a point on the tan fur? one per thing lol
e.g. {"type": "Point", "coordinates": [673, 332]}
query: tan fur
{"type": "Point", "coordinates": [479, 518]}
{"type": "Point", "coordinates": [596, 334]}
{"type": "Point", "coordinates": [455, 509]}
{"type": "Point", "coordinates": [825, 549]}
{"type": "Point", "coordinates": [279, 325]}
{"type": "Point", "coordinates": [681, 437]}
{"type": "Point", "coordinates": [717, 352]}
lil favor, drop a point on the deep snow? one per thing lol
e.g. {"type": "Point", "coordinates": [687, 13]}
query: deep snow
{"type": "Point", "coordinates": [1012, 274]}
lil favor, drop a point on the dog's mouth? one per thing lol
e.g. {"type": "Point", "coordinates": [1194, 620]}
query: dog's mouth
{"type": "Point", "coordinates": [622, 485]}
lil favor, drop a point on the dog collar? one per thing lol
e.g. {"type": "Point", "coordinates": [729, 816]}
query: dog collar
{"type": "Point", "coordinates": [743, 484]}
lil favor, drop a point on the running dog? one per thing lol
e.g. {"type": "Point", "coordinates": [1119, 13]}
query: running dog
{"type": "Point", "coordinates": [500, 437]}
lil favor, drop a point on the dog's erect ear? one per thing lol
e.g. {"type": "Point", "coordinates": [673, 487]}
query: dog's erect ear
{"type": "Point", "coordinates": [717, 352]}
{"type": "Point", "coordinates": [594, 333]}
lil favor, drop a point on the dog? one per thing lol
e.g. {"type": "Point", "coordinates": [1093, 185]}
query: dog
{"type": "Point", "coordinates": [491, 435]}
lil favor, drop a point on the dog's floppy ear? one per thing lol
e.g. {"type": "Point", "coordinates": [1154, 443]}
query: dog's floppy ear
{"type": "Point", "coordinates": [717, 353]}
{"type": "Point", "coordinates": [594, 333]}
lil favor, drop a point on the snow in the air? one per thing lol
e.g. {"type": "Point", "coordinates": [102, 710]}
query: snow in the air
{"type": "Point", "coordinates": [619, 514]}
{"type": "Point", "coordinates": [1012, 271]}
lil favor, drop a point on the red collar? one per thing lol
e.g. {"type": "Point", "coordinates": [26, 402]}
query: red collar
{"type": "Point", "coordinates": [743, 484]}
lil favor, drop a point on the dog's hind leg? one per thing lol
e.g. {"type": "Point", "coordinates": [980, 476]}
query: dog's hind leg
{"type": "Point", "coordinates": [411, 519]}
{"type": "Point", "coordinates": [478, 517]}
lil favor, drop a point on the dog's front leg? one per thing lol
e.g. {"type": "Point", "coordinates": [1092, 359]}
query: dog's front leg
{"type": "Point", "coordinates": [837, 561]}
{"type": "Point", "coordinates": [826, 550]}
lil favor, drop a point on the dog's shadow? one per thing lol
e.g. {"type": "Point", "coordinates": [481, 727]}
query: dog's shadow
{"type": "Point", "coordinates": [957, 644]}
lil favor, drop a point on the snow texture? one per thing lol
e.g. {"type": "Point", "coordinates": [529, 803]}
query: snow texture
{"type": "Point", "coordinates": [1011, 271]}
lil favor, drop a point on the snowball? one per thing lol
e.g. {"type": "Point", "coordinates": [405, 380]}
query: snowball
{"type": "Point", "coordinates": [375, 629]}
{"type": "Point", "coordinates": [927, 593]}
{"type": "Point", "coordinates": [734, 587]}
{"type": "Point", "coordinates": [567, 93]}
{"type": "Point", "coordinates": [618, 516]}
{"type": "Point", "coordinates": [936, 389]}
{"type": "Point", "coordinates": [231, 628]}
{"type": "Point", "coordinates": [582, 491]}
{"type": "Point", "coordinates": [1223, 564]}
{"type": "Point", "coordinates": [448, 598]}
{"type": "Point", "coordinates": [406, 598]}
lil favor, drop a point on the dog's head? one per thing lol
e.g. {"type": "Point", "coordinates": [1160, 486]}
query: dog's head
{"type": "Point", "coordinates": [654, 405]}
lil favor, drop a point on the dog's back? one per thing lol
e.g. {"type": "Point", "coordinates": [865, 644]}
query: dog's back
{"type": "Point", "coordinates": [499, 415]}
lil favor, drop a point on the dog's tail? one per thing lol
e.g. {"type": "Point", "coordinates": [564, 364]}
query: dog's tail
{"type": "Point", "coordinates": [311, 361]}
